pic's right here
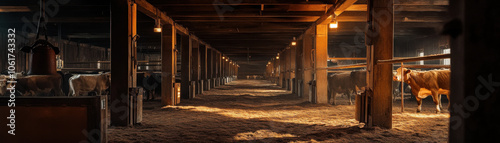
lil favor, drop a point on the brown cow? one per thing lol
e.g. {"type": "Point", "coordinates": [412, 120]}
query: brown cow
{"type": "Point", "coordinates": [346, 83]}
{"type": "Point", "coordinates": [84, 83]}
{"type": "Point", "coordinates": [339, 83]}
{"type": "Point", "coordinates": [423, 84]}
{"type": "Point", "coordinates": [35, 85]}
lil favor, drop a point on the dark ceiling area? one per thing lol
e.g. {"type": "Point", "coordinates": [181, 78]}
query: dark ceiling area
{"type": "Point", "coordinates": [237, 28]}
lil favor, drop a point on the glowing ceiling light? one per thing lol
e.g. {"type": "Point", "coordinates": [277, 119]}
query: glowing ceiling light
{"type": "Point", "coordinates": [157, 23]}
{"type": "Point", "coordinates": [334, 23]}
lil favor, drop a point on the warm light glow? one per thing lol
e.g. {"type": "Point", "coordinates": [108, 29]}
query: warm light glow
{"type": "Point", "coordinates": [294, 43]}
{"type": "Point", "coordinates": [157, 30]}
{"type": "Point", "coordinates": [227, 60]}
{"type": "Point", "coordinates": [268, 62]}
{"type": "Point", "coordinates": [334, 24]}
{"type": "Point", "coordinates": [223, 57]}
{"type": "Point", "coordinates": [157, 26]}
{"type": "Point", "coordinates": [277, 57]}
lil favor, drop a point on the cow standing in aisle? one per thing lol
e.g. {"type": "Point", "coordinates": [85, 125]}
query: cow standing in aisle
{"type": "Point", "coordinates": [346, 83]}
{"type": "Point", "coordinates": [423, 84]}
{"type": "Point", "coordinates": [85, 83]}
{"type": "Point", "coordinates": [150, 83]}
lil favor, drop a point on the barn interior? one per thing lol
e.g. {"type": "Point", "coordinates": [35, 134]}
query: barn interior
{"type": "Point", "coordinates": [249, 71]}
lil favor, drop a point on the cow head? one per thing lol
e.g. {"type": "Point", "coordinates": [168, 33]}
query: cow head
{"type": "Point", "coordinates": [107, 77]}
{"type": "Point", "coordinates": [398, 77]}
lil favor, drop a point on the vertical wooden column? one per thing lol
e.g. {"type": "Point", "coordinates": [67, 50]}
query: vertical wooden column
{"type": "Point", "coordinates": [168, 63]}
{"type": "Point", "coordinates": [299, 69]}
{"type": "Point", "coordinates": [379, 79]}
{"type": "Point", "coordinates": [204, 68]}
{"type": "Point", "coordinates": [123, 22]}
{"type": "Point", "coordinates": [226, 70]}
{"type": "Point", "coordinates": [217, 68]}
{"type": "Point", "coordinates": [293, 82]}
{"type": "Point", "coordinates": [210, 68]}
{"type": "Point", "coordinates": [185, 66]}
{"type": "Point", "coordinates": [230, 69]}
{"type": "Point", "coordinates": [308, 63]}
{"type": "Point", "coordinates": [475, 79]}
{"type": "Point", "coordinates": [195, 57]}
{"type": "Point", "coordinates": [236, 71]}
{"type": "Point", "coordinates": [286, 64]}
{"type": "Point", "coordinates": [222, 69]}
{"type": "Point", "coordinates": [278, 71]}
{"type": "Point", "coordinates": [320, 62]}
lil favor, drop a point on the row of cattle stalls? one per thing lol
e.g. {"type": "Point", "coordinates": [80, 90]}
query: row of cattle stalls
{"type": "Point", "coordinates": [42, 116]}
{"type": "Point", "coordinates": [81, 30]}
{"type": "Point", "coordinates": [418, 45]}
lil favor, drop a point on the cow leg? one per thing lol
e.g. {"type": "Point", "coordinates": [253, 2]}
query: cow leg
{"type": "Point", "coordinates": [329, 96]}
{"type": "Point", "coordinates": [349, 96]}
{"type": "Point", "coordinates": [440, 104]}
{"type": "Point", "coordinates": [334, 96]}
{"type": "Point", "coordinates": [419, 103]}
{"type": "Point", "coordinates": [436, 97]}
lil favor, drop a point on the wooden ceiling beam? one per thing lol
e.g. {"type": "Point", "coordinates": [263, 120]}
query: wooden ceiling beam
{"type": "Point", "coordinates": [256, 19]}
{"type": "Point", "coordinates": [240, 2]}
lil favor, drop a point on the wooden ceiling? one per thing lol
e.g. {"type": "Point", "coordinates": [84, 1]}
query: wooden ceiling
{"type": "Point", "coordinates": [264, 27]}
{"type": "Point", "coordinates": [237, 28]}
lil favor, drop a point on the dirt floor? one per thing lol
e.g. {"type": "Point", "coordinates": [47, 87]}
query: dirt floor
{"type": "Point", "coordinates": [258, 111]}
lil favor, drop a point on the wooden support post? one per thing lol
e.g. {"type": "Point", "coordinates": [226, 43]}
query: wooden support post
{"type": "Point", "coordinates": [299, 70]}
{"type": "Point", "coordinates": [214, 69]}
{"type": "Point", "coordinates": [381, 36]}
{"type": "Point", "coordinates": [320, 62]}
{"type": "Point", "coordinates": [195, 57]}
{"type": "Point", "coordinates": [402, 91]}
{"type": "Point", "coordinates": [286, 66]}
{"type": "Point", "coordinates": [185, 66]}
{"type": "Point", "coordinates": [279, 70]}
{"type": "Point", "coordinates": [123, 22]}
{"type": "Point", "coordinates": [204, 68]}
{"type": "Point", "coordinates": [293, 81]}
{"type": "Point", "coordinates": [475, 78]}
{"type": "Point", "coordinates": [168, 63]}
{"type": "Point", "coordinates": [308, 63]}
{"type": "Point", "coordinates": [210, 68]}
{"type": "Point", "coordinates": [226, 70]}
{"type": "Point", "coordinates": [236, 71]}
{"type": "Point", "coordinates": [223, 69]}
{"type": "Point", "coordinates": [217, 68]}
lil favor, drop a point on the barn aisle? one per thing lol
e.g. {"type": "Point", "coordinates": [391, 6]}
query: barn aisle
{"type": "Point", "coordinates": [258, 111]}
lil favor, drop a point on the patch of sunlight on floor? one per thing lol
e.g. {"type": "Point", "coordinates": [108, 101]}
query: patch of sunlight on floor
{"type": "Point", "coordinates": [237, 113]}
{"type": "Point", "coordinates": [260, 134]}
{"type": "Point", "coordinates": [266, 91]}
{"type": "Point", "coordinates": [425, 115]}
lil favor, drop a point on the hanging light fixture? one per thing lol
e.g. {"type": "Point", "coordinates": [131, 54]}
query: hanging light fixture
{"type": "Point", "coordinates": [278, 56]}
{"type": "Point", "coordinates": [334, 23]}
{"type": "Point", "coordinates": [227, 60]}
{"type": "Point", "coordinates": [223, 58]}
{"type": "Point", "coordinates": [157, 23]}
{"type": "Point", "coordinates": [294, 42]}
